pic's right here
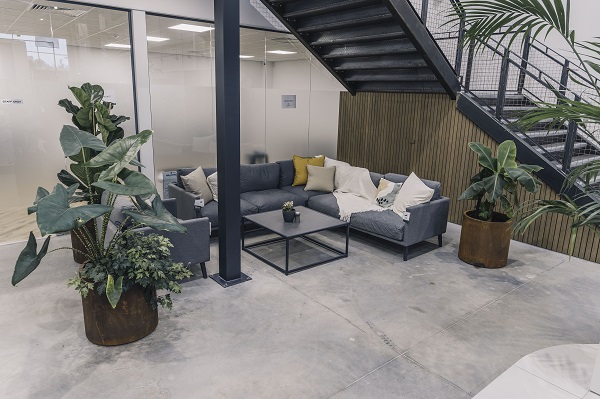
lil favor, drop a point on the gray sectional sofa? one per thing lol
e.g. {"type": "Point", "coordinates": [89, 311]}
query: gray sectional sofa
{"type": "Point", "coordinates": [265, 187]}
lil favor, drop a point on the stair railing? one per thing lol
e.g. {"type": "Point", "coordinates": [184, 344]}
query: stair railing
{"type": "Point", "coordinates": [533, 72]}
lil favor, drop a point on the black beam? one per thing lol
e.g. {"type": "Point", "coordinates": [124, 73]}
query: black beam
{"type": "Point", "coordinates": [411, 24]}
{"type": "Point", "coordinates": [227, 74]}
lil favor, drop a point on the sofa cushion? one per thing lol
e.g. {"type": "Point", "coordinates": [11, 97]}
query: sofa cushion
{"type": "Point", "coordinates": [376, 178]}
{"type": "Point", "coordinates": [196, 183]}
{"type": "Point", "coordinates": [437, 186]}
{"type": "Point", "coordinates": [286, 173]}
{"type": "Point", "coordinates": [325, 203]}
{"type": "Point", "coordinates": [300, 191]}
{"type": "Point", "coordinates": [259, 177]}
{"type": "Point", "coordinates": [211, 211]}
{"type": "Point", "coordinates": [385, 223]}
{"type": "Point", "coordinates": [320, 178]}
{"type": "Point", "coordinates": [270, 200]}
{"type": "Point", "coordinates": [300, 170]}
{"type": "Point", "coordinates": [183, 172]}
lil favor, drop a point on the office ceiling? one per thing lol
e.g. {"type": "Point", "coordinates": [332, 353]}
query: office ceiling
{"type": "Point", "coordinates": [86, 26]}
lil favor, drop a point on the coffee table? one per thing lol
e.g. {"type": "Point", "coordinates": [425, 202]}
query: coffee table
{"type": "Point", "coordinates": [310, 222]}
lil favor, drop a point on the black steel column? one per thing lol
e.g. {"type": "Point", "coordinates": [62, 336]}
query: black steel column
{"type": "Point", "coordinates": [227, 72]}
{"type": "Point", "coordinates": [524, 63]}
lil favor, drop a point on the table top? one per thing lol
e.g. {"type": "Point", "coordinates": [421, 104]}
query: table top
{"type": "Point", "coordinates": [310, 222]}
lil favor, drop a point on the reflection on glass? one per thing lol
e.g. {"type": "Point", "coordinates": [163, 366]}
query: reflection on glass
{"type": "Point", "coordinates": [43, 51]}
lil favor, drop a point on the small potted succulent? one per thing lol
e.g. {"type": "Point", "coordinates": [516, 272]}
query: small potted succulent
{"type": "Point", "coordinates": [289, 213]}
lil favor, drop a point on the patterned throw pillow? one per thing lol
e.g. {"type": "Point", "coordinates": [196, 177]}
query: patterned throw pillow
{"type": "Point", "coordinates": [387, 192]}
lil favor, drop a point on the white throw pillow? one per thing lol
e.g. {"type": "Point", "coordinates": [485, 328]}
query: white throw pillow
{"type": "Point", "coordinates": [356, 181]}
{"type": "Point", "coordinates": [196, 183]}
{"type": "Point", "coordinates": [387, 193]}
{"type": "Point", "coordinates": [340, 168]}
{"type": "Point", "coordinates": [413, 192]}
{"type": "Point", "coordinates": [212, 184]}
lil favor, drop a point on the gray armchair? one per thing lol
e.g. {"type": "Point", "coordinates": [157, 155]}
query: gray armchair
{"type": "Point", "coordinates": [190, 248]}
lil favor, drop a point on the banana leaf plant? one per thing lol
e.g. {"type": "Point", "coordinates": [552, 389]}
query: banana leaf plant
{"type": "Point", "coordinates": [514, 20]}
{"type": "Point", "coordinates": [496, 186]}
{"type": "Point", "coordinates": [59, 210]}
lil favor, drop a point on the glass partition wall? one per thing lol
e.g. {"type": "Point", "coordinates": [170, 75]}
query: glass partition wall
{"type": "Point", "coordinates": [289, 102]}
{"type": "Point", "coordinates": [45, 48]}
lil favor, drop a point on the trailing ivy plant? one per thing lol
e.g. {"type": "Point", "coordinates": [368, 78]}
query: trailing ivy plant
{"type": "Point", "coordinates": [103, 167]}
{"type": "Point", "coordinates": [137, 259]}
{"type": "Point", "coordinates": [496, 186]}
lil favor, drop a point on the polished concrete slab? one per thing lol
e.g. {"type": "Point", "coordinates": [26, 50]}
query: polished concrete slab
{"type": "Point", "coordinates": [367, 326]}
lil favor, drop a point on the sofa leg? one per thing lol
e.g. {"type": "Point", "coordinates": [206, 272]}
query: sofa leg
{"type": "Point", "coordinates": [203, 268]}
{"type": "Point", "coordinates": [440, 240]}
{"type": "Point", "coordinates": [405, 254]}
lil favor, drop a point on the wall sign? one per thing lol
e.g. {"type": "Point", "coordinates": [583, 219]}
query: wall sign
{"type": "Point", "coordinates": [288, 101]}
{"type": "Point", "coordinates": [13, 102]}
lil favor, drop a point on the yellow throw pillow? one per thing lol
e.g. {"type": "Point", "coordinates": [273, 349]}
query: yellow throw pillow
{"type": "Point", "coordinates": [300, 170]}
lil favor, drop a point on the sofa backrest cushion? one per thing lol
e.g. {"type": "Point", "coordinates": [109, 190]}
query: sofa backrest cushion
{"type": "Point", "coordinates": [259, 177]}
{"type": "Point", "coordinates": [436, 186]}
{"type": "Point", "coordinates": [183, 172]}
{"type": "Point", "coordinates": [376, 178]}
{"type": "Point", "coordinates": [286, 173]}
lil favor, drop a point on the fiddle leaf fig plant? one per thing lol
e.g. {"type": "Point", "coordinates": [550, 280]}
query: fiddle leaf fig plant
{"type": "Point", "coordinates": [100, 164]}
{"type": "Point", "coordinates": [496, 185]}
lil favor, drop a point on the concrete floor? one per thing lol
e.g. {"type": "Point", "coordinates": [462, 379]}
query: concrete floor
{"type": "Point", "coordinates": [370, 326]}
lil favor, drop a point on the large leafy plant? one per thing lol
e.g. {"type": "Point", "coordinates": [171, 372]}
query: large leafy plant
{"type": "Point", "coordinates": [92, 115]}
{"type": "Point", "coordinates": [484, 19]}
{"type": "Point", "coordinates": [496, 185]}
{"type": "Point", "coordinates": [67, 208]}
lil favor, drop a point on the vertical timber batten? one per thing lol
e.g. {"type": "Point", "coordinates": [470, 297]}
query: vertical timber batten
{"type": "Point", "coordinates": [227, 73]}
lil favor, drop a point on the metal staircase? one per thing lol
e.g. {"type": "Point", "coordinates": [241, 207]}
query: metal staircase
{"type": "Point", "coordinates": [405, 46]}
{"type": "Point", "coordinates": [370, 45]}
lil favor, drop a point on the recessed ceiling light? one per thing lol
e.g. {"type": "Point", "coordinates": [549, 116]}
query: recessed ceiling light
{"type": "Point", "coordinates": [246, 56]}
{"type": "Point", "coordinates": [191, 28]}
{"type": "Point", "coordinates": [117, 45]}
{"type": "Point", "coordinates": [41, 19]}
{"type": "Point", "coordinates": [156, 39]}
{"type": "Point", "coordinates": [281, 52]}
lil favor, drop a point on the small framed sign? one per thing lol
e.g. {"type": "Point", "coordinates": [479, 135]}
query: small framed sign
{"type": "Point", "coordinates": [288, 101]}
{"type": "Point", "coordinates": [12, 101]}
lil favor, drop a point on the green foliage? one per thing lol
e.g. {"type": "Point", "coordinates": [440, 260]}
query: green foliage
{"type": "Point", "coordinates": [100, 164]}
{"type": "Point", "coordinates": [498, 180]}
{"type": "Point", "coordinates": [134, 259]}
{"type": "Point", "coordinates": [484, 19]}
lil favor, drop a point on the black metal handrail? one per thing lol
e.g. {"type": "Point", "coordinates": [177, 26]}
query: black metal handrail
{"type": "Point", "coordinates": [526, 70]}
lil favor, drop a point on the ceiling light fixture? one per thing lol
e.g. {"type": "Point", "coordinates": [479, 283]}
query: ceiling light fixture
{"type": "Point", "coordinates": [191, 28]}
{"type": "Point", "coordinates": [156, 39]}
{"type": "Point", "coordinates": [281, 52]}
{"type": "Point", "coordinates": [246, 56]}
{"type": "Point", "coordinates": [117, 45]}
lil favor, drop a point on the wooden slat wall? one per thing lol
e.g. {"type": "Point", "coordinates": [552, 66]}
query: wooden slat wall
{"type": "Point", "coordinates": [425, 133]}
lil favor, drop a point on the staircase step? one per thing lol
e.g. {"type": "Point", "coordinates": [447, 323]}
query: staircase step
{"type": "Point", "coordinates": [344, 19]}
{"type": "Point", "coordinates": [408, 61]}
{"type": "Point", "coordinates": [396, 75]}
{"type": "Point", "coordinates": [558, 147]}
{"type": "Point", "coordinates": [360, 34]}
{"type": "Point", "coordinates": [386, 47]}
{"type": "Point", "coordinates": [510, 100]}
{"type": "Point", "coordinates": [308, 8]}
{"type": "Point", "coordinates": [544, 133]}
{"type": "Point", "coordinates": [400, 87]}
{"type": "Point", "coordinates": [580, 160]}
